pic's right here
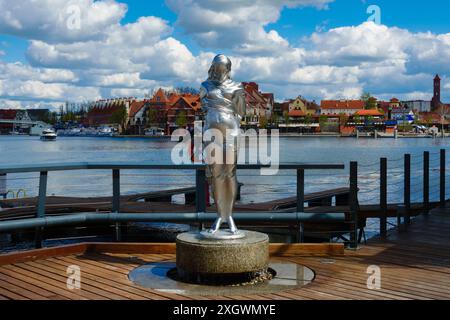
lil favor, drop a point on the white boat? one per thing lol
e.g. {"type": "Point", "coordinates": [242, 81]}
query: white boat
{"type": "Point", "coordinates": [105, 131]}
{"type": "Point", "coordinates": [48, 135]}
{"type": "Point", "coordinates": [153, 131]}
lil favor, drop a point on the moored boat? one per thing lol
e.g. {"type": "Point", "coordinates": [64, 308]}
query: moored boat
{"type": "Point", "coordinates": [48, 135]}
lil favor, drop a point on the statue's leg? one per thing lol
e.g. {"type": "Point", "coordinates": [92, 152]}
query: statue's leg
{"type": "Point", "coordinates": [231, 184]}
{"type": "Point", "coordinates": [216, 225]}
{"type": "Point", "coordinates": [230, 193]}
{"type": "Point", "coordinates": [217, 182]}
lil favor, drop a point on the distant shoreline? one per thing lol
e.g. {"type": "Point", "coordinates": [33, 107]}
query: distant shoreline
{"type": "Point", "coordinates": [281, 135]}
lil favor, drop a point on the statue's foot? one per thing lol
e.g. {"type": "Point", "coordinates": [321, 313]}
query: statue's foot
{"type": "Point", "coordinates": [232, 225]}
{"type": "Point", "coordinates": [216, 226]}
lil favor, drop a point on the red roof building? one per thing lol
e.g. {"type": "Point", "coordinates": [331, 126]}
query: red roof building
{"type": "Point", "coordinates": [187, 108]}
{"type": "Point", "coordinates": [336, 107]}
{"type": "Point", "coordinates": [369, 113]}
{"type": "Point", "coordinates": [7, 114]}
{"type": "Point", "coordinates": [258, 104]}
{"type": "Point", "coordinates": [101, 111]}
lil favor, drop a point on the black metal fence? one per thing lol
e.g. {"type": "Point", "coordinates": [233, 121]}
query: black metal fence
{"type": "Point", "coordinates": [200, 183]}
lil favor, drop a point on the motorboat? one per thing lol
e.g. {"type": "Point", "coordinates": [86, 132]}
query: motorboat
{"type": "Point", "coordinates": [48, 135]}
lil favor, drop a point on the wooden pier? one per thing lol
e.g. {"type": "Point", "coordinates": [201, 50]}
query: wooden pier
{"type": "Point", "coordinates": [414, 264]}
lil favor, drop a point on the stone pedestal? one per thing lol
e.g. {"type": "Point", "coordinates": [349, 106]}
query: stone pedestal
{"type": "Point", "coordinates": [208, 261]}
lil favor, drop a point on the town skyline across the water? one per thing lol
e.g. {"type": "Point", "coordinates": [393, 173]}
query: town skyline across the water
{"type": "Point", "coordinates": [165, 110]}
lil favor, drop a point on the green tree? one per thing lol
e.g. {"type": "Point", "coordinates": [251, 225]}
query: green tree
{"type": "Point", "coordinates": [370, 102]}
{"type": "Point", "coordinates": [343, 119]}
{"type": "Point", "coordinates": [152, 116]}
{"type": "Point", "coordinates": [286, 117]}
{"type": "Point", "coordinates": [119, 117]}
{"type": "Point", "coordinates": [275, 118]}
{"type": "Point", "coordinates": [181, 120]}
{"type": "Point", "coordinates": [263, 122]}
{"type": "Point", "coordinates": [308, 119]}
{"type": "Point", "coordinates": [365, 96]}
{"type": "Point", "coordinates": [69, 116]}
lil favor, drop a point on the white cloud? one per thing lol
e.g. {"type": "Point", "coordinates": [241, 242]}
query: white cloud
{"type": "Point", "coordinates": [38, 90]}
{"type": "Point", "coordinates": [129, 92]}
{"type": "Point", "coordinates": [28, 104]}
{"type": "Point", "coordinates": [236, 25]}
{"type": "Point", "coordinates": [19, 71]}
{"type": "Point", "coordinates": [110, 59]}
{"type": "Point", "coordinates": [52, 20]}
{"type": "Point", "coordinates": [344, 62]}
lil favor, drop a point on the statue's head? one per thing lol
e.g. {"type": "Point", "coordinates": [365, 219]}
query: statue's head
{"type": "Point", "coordinates": [220, 68]}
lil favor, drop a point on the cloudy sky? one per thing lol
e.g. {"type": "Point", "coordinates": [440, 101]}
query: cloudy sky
{"type": "Point", "coordinates": [52, 51]}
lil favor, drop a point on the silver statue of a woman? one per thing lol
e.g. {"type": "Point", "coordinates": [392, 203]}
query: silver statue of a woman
{"type": "Point", "coordinates": [223, 102]}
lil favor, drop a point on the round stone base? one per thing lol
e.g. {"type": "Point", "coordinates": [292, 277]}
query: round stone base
{"type": "Point", "coordinates": [222, 235]}
{"type": "Point", "coordinates": [212, 261]}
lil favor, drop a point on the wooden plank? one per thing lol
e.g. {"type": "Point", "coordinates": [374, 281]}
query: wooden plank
{"type": "Point", "coordinates": [86, 285]}
{"type": "Point", "coordinates": [347, 279]}
{"type": "Point", "coordinates": [132, 248]}
{"type": "Point", "coordinates": [29, 286]}
{"type": "Point", "coordinates": [306, 249]}
{"type": "Point", "coordinates": [36, 271]}
{"type": "Point", "coordinates": [21, 291]}
{"type": "Point", "coordinates": [107, 278]}
{"type": "Point", "coordinates": [170, 248]}
{"type": "Point", "coordinates": [55, 290]}
{"type": "Point", "coordinates": [119, 276]}
{"type": "Point", "coordinates": [31, 255]}
{"type": "Point", "coordinates": [11, 295]}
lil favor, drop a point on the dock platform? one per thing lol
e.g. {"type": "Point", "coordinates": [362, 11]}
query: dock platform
{"type": "Point", "coordinates": [414, 264]}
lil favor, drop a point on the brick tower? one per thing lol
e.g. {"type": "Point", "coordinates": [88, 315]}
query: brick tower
{"type": "Point", "coordinates": [436, 101]}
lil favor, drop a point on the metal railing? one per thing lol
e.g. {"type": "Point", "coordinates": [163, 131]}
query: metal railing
{"type": "Point", "coordinates": [42, 221]}
{"type": "Point", "coordinates": [415, 191]}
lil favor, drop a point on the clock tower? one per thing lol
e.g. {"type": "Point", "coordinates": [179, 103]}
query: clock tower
{"type": "Point", "coordinates": [436, 101]}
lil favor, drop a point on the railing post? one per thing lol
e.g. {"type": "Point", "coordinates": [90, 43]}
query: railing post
{"type": "Point", "coordinates": [442, 180]}
{"type": "Point", "coordinates": [300, 190]}
{"type": "Point", "coordinates": [41, 205]}
{"type": "Point", "coordinates": [426, 181]}
{"type": "Point", "coordinates": [300, 202]}
{"type": "Point", "coordinates": [3, 190]}
{"type": "Point", "coordinates": [200, 192]}
{"type": "Point", "coordinates": [354, 204]}
{"type": "Point", "coordinates": [383, 197]}
{"type": "Point", "coordinates": [116, 201]}
{"type": "Point", "coordinates": [407, 190]}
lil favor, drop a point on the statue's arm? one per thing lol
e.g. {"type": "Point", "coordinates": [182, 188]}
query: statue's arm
{"type": "Point", "coordinates": [239, 102]}
{"type": "Point", "coordinates": [203, 93]}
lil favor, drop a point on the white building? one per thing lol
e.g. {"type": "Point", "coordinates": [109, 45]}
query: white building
{"type": "Point", "coordinates": [418, 105]}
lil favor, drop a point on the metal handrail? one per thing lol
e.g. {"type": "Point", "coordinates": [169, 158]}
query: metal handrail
{"type": "Point", "coordinates": [41, 220]}
{"type": "Point", "coordinates": [199, 217]}
{"type": "Point", "coordinates": [130, 166]}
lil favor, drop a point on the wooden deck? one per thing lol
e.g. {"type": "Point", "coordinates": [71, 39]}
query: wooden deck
{"type": "Point", "coordinates": [414, 265]}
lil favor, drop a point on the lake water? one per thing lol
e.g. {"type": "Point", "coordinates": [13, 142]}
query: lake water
{"type": "Point", "coordinates": [30, 150]}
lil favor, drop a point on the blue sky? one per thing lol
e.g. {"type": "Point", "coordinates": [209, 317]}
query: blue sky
{"type": "Point", "coordinates": [316, 48]}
